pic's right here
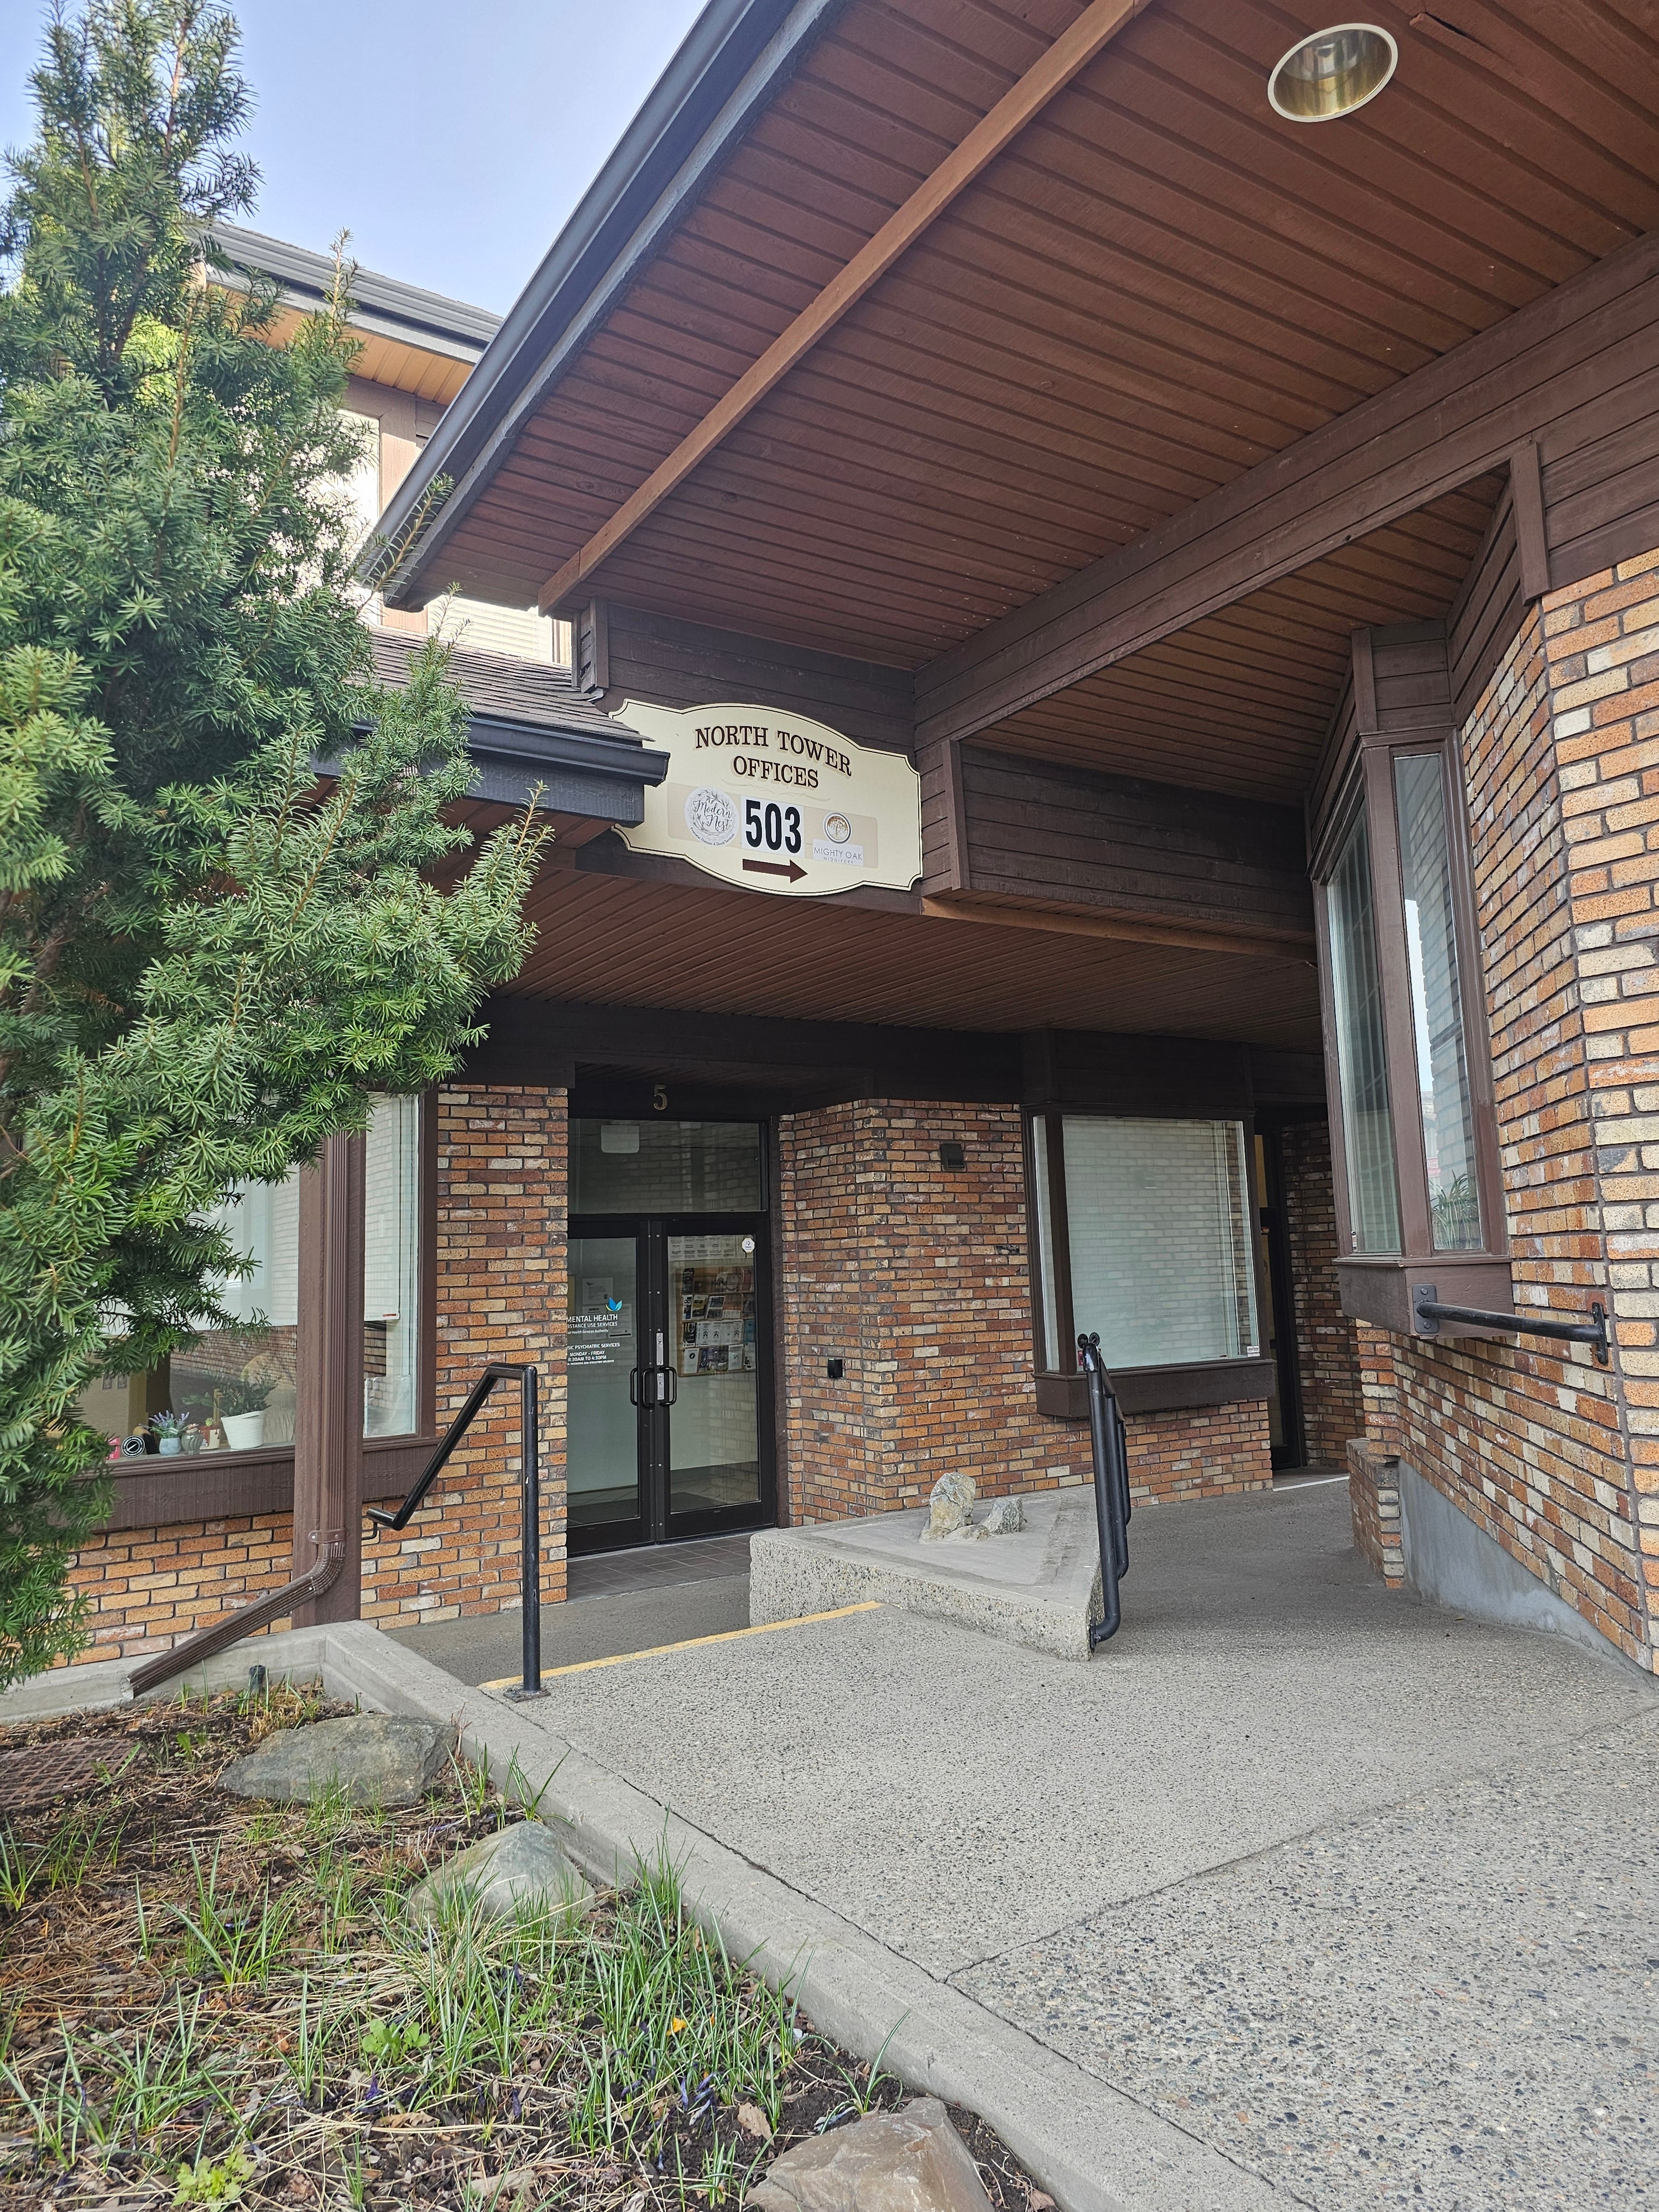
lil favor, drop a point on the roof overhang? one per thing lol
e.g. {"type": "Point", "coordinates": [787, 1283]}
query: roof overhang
{"type": "Point", "coordinates": [1161, 352]}
{"type": "Point", "coordinates": [412, 339]}
{"type": "Point", "coordinates": [577, 772]}
{"type": "Point", "coordinates": [737, 56]}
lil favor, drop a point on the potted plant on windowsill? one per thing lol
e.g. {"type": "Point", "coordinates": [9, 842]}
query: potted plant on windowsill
{"type": "Point", "coordinates": [240, 1407]}
{"type": "Point", "coordinates": [169, 1432]}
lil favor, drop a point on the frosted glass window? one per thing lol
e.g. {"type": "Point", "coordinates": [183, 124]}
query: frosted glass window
{"type": "Point", "coordinates": [1161, 1240]}
{"type": "Point", "coordinates": [392, 1267]}
{"type": "Point", "coordinates": [1362, 1057]}
{"type": "Point", "coordinates": [1442, 1074]}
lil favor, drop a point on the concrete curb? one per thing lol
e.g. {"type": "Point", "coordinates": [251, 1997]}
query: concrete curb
{"type": "Point", "coordinates": [1093, 2148]}
{"type": "Point", "coordinates": [295, 1654]}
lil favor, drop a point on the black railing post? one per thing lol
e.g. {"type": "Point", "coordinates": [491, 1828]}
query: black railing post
{"type": "Point", "coordinates": [530, 1543]}
{"type": "Point", "coordinates": [1109, 1451]}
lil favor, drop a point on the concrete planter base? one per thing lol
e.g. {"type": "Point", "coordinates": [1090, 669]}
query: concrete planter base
{"type": "Point", "coordinates": [1040, 1587]}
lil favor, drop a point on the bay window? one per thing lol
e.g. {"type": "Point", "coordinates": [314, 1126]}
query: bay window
{"type": "Point", "coordinates": [1419, 1190]}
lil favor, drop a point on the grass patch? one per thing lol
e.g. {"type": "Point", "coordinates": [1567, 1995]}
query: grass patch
{"type": "Point", "coordinates": [210, 2003]}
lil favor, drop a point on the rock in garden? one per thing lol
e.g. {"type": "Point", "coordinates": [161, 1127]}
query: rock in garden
{"type": "Point", "coordinates": [517, 1870]}
{"type": "Point", "coordinates": [1005, 1518]}
{"type": "Point", "coordinates": [949, 1509]}
{"type": "Point", "coordinates": [909, 2161]}
{"type": "Point", "coordinates": [376, 1758]}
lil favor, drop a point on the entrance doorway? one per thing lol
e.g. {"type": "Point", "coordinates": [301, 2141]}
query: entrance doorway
{"type": "Point", "coordinates": [668, 1363]}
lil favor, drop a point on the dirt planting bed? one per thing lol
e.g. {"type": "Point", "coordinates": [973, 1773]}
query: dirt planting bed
{"type": "Point", "coordinates": [208, 2003]}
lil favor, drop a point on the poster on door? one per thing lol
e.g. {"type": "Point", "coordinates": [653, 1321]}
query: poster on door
{"type": "Point", "coordinates": [600, 1326]}
{"type": "Point", "coordinates": [777, 803]}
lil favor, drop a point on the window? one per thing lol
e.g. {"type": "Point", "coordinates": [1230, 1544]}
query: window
{"type": "Point", "coordinates": [1419, 1187]}
{"type": "Point", "coordinates": [1144, 1232]}
{"type": "Point", "coordinates": [236, 1385]}
{"type": "Point", "coordinates": [665, 1167]}
{"type": "Point", "coordinates": [1443, 1075]}
{"type": "Point", "coordinates": [392, 1268]}
{"type": "Point", "coordinates": [1362, 1056]}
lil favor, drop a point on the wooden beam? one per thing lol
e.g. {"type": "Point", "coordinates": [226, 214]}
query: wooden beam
{"type": "Point", "coordinates": [1531, 532]}
{"type": "Point", "coordinates": [1126, 928]}
{"type": "Point", "coordinates": [1074, 50]}
{"type": "Point", "coordinates": [1461, 417]}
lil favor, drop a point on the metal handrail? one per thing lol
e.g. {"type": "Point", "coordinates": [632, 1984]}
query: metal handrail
{"type": "Point", "coordinates": [1110, 1450]}
{"type": "Point", "coordinates": [529, 1549]}
{"type": "Point", "coordinates": [1428, 1313]}
{"type": "Point", "coordinates": [319, 1578]}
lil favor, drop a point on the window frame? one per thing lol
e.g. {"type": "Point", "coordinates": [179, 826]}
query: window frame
{"type": "Point", "coordinates": [153, 1492]}
{"type": "Point", "coordinates": [1062, 1390]}
{"type": "Point", "coordinates": [1376, 1286]}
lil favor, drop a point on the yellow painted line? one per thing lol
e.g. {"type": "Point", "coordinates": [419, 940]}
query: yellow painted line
{"type": "Point", "coordinates": [690, 1643]}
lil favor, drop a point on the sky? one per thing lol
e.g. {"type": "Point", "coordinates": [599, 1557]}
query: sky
{"type": "Point", "coordinates": [450, 141]}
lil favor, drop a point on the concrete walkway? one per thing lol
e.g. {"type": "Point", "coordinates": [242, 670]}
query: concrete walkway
{"type": "Point", "coordinates": [1360, 1894]}
{"type": "Point", "coordinates": [618, 1601]}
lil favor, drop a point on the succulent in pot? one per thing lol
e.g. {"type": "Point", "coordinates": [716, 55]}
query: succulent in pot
{"type": "Point", "coordinates": [240, 1406]}
{"type": "Point", "coordinates": [169, 1429]}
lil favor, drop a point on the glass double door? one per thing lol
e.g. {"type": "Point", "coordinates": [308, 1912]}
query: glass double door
{"type": "Point", "coordinates": [669, 1367]}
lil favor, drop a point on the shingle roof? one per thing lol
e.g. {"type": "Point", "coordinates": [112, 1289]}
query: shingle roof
{"type": "Point", "coordinates": [501, 687]}
{"type": "Point", "coordinates": [533, 734]}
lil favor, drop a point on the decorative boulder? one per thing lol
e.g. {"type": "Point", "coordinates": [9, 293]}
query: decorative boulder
{"type": "Point", "coordinates": [1005, 1518]}
{"type": "Point", "coordinates": [950, 1512]}
{"type": "Point", "coordinates": [517, 1870]}
{"type": "Point", "coordinates": [909, 2161]}
{"type": "Point", "coordinates": [376, 1759]}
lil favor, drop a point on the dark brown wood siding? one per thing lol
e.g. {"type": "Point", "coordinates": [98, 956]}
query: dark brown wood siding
{"type": "Point", "coordinates": [1066, 837]}
{"type": "Point", "coordinates": [676, 664]}
{"type": "Point", "coordinates": [1487, 612]}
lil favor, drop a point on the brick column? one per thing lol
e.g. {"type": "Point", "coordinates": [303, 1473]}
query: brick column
{"type": "Point", "coordinates": [1601, 643]}
{"type": "Point", "coordinates": [501, 1293]}
{"type": "Point", "coordinates": [1327, 1341]}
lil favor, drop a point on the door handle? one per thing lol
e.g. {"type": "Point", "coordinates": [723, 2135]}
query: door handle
{"type": "Point", "coordinates": [664, 1387]}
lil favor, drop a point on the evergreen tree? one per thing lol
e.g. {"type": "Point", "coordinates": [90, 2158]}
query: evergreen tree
{"type": "Point", "coordinates": [209, 959]}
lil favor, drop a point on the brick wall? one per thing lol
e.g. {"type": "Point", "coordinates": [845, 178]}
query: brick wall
{"type": "Point", "coordinates": [147, 1587]}
{"type": "Point", "coordinates": [916, 1276]}
{"type": "Point", "coordinates": [1534, 1442]}
{"type": "Point", "coordinates": [1326, 1344]}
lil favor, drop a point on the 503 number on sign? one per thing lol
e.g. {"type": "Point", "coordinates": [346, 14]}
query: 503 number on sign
{"type": "Point", "coordinates": [777, 828]}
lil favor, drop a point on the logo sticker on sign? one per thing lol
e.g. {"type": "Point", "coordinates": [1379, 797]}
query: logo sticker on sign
{"type": "Point", "coordinates": [777, 803]}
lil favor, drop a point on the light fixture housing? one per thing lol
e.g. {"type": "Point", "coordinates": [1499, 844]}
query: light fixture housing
{"type": "Point", "coordinates": [1332, 73]}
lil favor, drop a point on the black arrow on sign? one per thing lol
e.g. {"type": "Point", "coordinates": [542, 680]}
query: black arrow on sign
{"type": "Point", "coordinates": [777, 868]}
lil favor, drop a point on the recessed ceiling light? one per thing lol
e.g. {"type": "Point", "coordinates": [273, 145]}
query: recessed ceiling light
{"type": "Point", "coordinates": [1331, 73]}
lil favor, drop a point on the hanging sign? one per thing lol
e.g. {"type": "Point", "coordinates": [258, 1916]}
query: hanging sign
{"type": "Point", "coordinates": [776, 803]}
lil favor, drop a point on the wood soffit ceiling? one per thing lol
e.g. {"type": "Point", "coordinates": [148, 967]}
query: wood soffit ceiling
{"type": "Point", "coordinates": [1241, 701]}
{"type": "Point", "coordinates": [1157, 286]}
{"type": "Point", "coordinates": [622, 941]}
